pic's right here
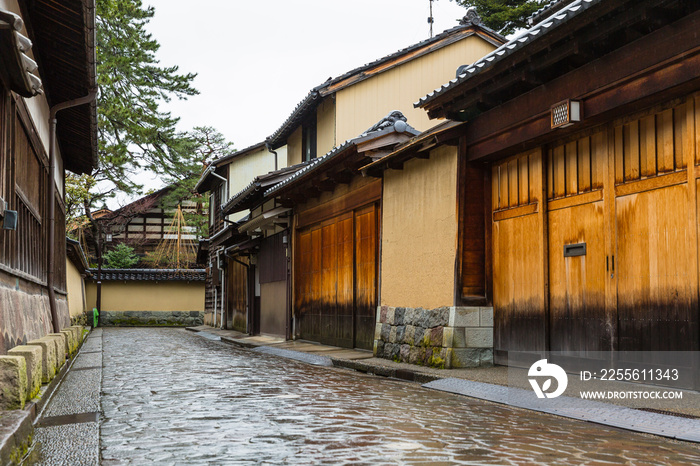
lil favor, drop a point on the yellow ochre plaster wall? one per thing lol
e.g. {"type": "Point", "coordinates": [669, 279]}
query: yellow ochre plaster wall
{"type": "Point", "coordinates": [294, 147]}
{"type": "Point", "coordinates": [325, 127]}
{"type": "Point", "coordinates": [75, 289]}
{"type": "Point", "coordinates": [419, 232]}
{"type": "Point", "coordinates": [149, 296]}
{"type": "Point", "coordinates": [363, 104]}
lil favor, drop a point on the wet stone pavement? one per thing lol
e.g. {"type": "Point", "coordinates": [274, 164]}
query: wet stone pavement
{"type": "Point", "coordinates": [172, 397]}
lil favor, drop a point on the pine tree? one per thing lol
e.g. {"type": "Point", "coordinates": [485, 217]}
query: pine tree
{"type": "Point", "coordinates": [504, 16]}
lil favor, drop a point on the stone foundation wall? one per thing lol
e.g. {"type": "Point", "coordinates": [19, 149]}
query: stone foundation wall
{"type": "Point", "coordinates": [151, 318]}
{"type": "Point", "coordinates": [446, 337]}
{"type": "Point", "coordinates": [25, 313]}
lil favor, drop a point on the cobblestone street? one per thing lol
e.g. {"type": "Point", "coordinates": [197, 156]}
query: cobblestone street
{"type": "Point", "coordinates": [170, 396]}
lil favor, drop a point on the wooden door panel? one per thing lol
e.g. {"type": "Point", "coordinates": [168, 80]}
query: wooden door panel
{"type": "Point", "coordinates": [656, 306]}
{"type": "Point", "coordinates": [366, 278]}
{"type": "Point", "coordinates": [577, 283]}
{"type": "Point", "coordinates": [519, 286]}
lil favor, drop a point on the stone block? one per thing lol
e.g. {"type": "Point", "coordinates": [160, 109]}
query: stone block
{"type": "Point", "coordinates": [422, 317]}
{"type": "Point", "coordinates": [438, 317]}
{"type": "Point", "coordinates": [418, 336]}
{"type": "Point", "coordinates": [59, 340]}
{"type": "Point", "coordinates": [386, 330]}
{"type": "Point", "coordinates": [390, 316]}
{"type": "Point", "coordinates": [407, 316]}
{"type": "Point", "coordinates": [378, 348]}
{"type": "Point", "coordinates": [379, 314]}
{"type": "Point", "coordinates": [382, 315]}
{"type": "Point", "coordinates": [465, 357]}
{"type": "Point", "coordinates": [392, 334]}
{"type": "Point", "coordinates": [414, 354]}
{"type": "Point", "coordinates": [400, 332]}
{"type": "Point", "coordinates": [48, 358]}
{"type": "Point", "coordinates": [464, 317]}
{"type": "Point", "coordinates": [404, 353]}
{"type": "Point", "coordinates": [486, 357]}
{"type": "Point", "coordinates": [32, 355]}
{"type": "Point", "coordinates": [486, 317]}
{"type": "Point", "coordinates": [408, 334]}
{"type": "Point", "coordinates": [447, 337]}
{"type": "Point", "coordinates": [77, 332]}
{"type": "Point", "coordinates": [71, 344]}
{"type": "Point", "coordinates": [399, 314]}
{"type": "Point", "coordinates": [436, 336]}
{"type": "Point", "coordinates": [459, 338]}
{"type": "Point", "coordinates": [479, 337]}
{"type": "Point", "coordinates": [13, 382]}
{"type": "Point", "coordinates": [377, 331]}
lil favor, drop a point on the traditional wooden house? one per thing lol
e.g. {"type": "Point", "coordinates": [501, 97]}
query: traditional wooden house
{"type": "Point", "coordinates": [161, 229]}
{"type": "Point", "coordinates": [332, 112]}
{"type": "Point", "coordinates": [227, 280]}
{"type": "Point", "coordinates": [318, 232]}
{"type": "Point", "coordinates": [47, 125]}
{"type": "Point", "coordinates": [260, 264]}
{"type": "Point", "coordinates": [578, 166]}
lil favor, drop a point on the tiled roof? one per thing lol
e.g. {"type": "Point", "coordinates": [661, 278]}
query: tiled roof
{"type": "Point", "coordinates": [192, 275]}
{"type": "Point", "coordinates": [312, 98]}
{"type": "Point", "coordinates": [539, 30]}
{"type": "Point", "coordinates": [386, 124]}
{"type": "Point", "coordinates": [259, 183]}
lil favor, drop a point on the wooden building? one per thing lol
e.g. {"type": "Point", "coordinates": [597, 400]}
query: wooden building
{"type": "Point", "coordinates": [264, 249]}
{"type": "Point", "coordinates": [148, 225]}
{"type": "Point", "coordinates": [227, 283]}
{"type": "Point", "coordinates": [334, 111]}
{"type": "Point", "coordinates": [335, 237]}
{"type": "Point", "coordinates": [47, 71]}
{"type": "Point", "coordinates": [584, 131]}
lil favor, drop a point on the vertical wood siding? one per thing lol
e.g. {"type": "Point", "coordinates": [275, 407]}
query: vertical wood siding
{"type": "Point", "coordinates": [335, 279]}
{"type": "Point", "coordinates": [629, 191]}
{"type": "Point", "coordinates": [518, 253]}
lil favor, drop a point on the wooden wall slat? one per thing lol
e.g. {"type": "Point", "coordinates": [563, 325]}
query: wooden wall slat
{"type": "Point", "coordinates": [664, 141]}
{"type": "Point", "coordinates": [619, 156]}
{"type": "Point", "coordinates": [571, 168]}
{"type": "Point", "coordinates": [559, 176]}
{"type": "Point", "coordinates": [631, 150]}
{"type": "Point", "coordinates": [647, 146]}
{"type": "Point", "coordinates": [523, 182]}
{"type": "Point", "coordinates": [513, 183]}
{"type": "Point", "coordinates": [584, 164]}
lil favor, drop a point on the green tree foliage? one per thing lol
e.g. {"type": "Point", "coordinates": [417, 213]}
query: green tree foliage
{"type": "Point", "coordinates": [504, 16]}
{"type": "Point", "coordinates": [204, 144]}
{"type": "Point", "coordinates": [134, 133]}
{"type": "Point", "coordinates": [121, 257]}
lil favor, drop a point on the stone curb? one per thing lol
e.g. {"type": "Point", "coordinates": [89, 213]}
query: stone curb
{"type": "Point", "coordinates": [17, 427]}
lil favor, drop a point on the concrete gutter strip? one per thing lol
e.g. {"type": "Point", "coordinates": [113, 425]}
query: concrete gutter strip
{"type": "Point", "coordinates": [585, 410]}
{"type": "Point", "coordinates": [15, 435]}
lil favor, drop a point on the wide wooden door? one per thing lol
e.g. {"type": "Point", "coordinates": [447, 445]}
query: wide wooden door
{"type": "Point", "coordinates": [656, 231]}
{"type": "Point", "coordinates": [518, 251]}
{"type": "Point", "coordinates": [335, 282]}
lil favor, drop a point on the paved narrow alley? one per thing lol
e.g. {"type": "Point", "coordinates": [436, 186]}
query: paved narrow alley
{"type": "Point", "coordinates": [173, 397]}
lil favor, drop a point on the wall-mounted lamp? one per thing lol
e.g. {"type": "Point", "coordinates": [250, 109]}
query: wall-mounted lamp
{"type": "Point", "coordinates": [108, 237]}
{"type": "Point", "coordinates": [8, 217]}
{"type": "Point", "coordinates": [565, 113]}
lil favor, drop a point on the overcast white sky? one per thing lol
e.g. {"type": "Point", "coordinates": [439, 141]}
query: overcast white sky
{"type": "Point", "coordinates": [256, 60]}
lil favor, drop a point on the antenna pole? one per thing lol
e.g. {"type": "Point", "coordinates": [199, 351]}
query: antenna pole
{"type": "Point", "coordinates": [430, 18]}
